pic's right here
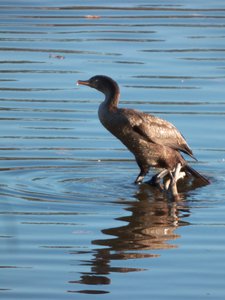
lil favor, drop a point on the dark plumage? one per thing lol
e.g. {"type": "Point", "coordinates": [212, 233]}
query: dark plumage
{"type": "Point", "coordinates": [153, 141]}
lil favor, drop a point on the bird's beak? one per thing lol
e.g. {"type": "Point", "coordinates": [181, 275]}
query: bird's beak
{"type": "Point", "coordinates": [83, 82]}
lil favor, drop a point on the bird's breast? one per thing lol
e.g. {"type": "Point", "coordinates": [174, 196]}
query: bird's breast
{"type": "Point", "coordinates": [110, 119]}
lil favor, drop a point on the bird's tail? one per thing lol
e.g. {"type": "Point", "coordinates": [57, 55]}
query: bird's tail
{"type": "Point", "coordinates": [193, 172]}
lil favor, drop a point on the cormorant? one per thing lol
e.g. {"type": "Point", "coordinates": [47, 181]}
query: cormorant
{"type": "Point", "coordinates": [153, 141]}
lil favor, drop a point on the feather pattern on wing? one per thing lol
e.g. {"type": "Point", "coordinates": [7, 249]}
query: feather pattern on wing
{"type": "Point", "coordinates": [156, 130]}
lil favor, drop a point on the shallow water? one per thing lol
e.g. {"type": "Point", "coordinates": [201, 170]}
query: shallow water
{"type": "Point", "coordinates": [72, 223]}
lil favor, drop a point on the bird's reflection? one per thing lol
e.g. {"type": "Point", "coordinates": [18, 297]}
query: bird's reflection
{"type": "Point", "coordinates": [151, 224]}
{"type": "Point", "coordinates": [149, 227]}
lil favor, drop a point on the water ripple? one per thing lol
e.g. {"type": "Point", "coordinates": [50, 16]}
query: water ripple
{"type": "Point", "coordinates": [72, 221]}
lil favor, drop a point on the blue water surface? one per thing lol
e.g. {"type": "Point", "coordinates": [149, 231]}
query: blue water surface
{"type": "Point", "coordinates": [72, 223]}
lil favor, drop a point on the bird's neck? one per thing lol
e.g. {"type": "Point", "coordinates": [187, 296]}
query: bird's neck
{"type": "Point", "coordinates": [112, 99]}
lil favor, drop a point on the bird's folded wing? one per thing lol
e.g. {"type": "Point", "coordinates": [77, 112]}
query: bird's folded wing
{"type": "Point", "coordinates": [157, 131]}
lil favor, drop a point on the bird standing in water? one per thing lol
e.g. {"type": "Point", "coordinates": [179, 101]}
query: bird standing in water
{"type": "Point", "coordinates": [153, 141]}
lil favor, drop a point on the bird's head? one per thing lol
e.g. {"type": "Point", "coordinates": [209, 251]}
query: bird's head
{"type": "Point", "coordinates": [101, 83]}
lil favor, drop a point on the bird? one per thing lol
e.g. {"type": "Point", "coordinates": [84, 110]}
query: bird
{"type": "Point", "coordinates": [154, 142]}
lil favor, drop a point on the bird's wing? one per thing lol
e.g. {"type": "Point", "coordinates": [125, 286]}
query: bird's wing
{"type": "Point", "coordinates": [157, 130]}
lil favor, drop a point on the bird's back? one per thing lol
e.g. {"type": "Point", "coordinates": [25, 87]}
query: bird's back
{"type": "Point", "coordinates": [132, 126]}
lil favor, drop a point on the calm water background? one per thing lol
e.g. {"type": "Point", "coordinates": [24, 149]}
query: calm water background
{"type": "Point", "coordinates": [72, 223]}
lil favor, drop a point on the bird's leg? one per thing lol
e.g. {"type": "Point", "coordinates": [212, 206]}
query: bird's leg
{"type": "Point", "coordinates": [141, 175]}
{"type": "Point", "coordinates": [140, 178]}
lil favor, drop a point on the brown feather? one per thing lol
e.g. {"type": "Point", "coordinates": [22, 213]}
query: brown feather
{"type": "Point", "coordinates": [153, 141]}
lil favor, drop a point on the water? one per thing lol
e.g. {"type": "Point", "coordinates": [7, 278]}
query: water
{"type": "Point", "coordinates": [73, 224]}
